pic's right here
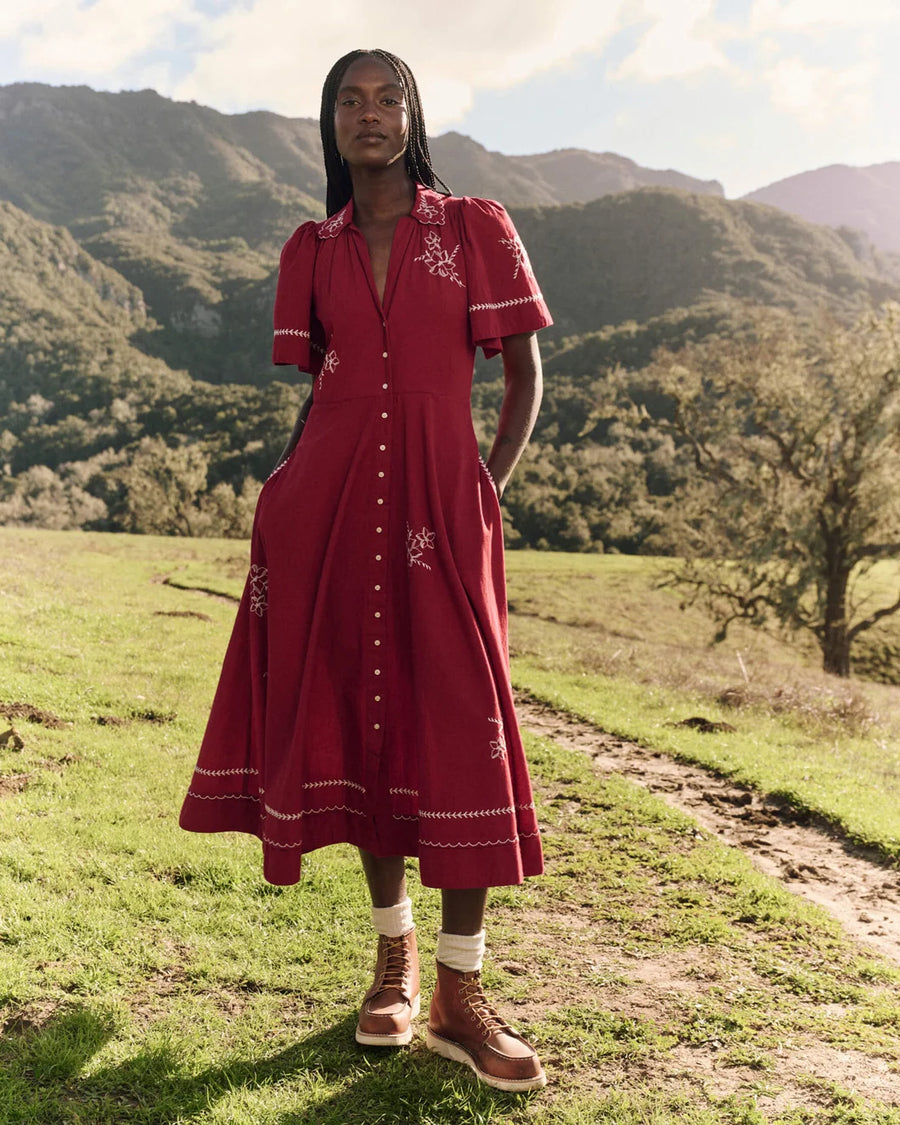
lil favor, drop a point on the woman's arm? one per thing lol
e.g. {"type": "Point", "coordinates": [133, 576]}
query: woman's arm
{"type": "Point", "coordinates": [519, 409]}
{"type": "Point", "coordinates": [296, 431]}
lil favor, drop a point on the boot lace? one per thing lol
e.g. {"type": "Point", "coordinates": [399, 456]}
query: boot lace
{"type": "Point", "coordinates": [397, 964]}
{"type": "Point", "coordinates": [479, 1008]}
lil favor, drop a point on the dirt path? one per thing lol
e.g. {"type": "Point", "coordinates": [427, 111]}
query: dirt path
{"type": "Point", "coordinates": [810, 859]}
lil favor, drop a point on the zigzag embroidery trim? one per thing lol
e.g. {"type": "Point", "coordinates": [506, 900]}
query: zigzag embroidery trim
{"type": "Point", "coordinates": [225, 773]}
{"type": "Point", "coordinates": [473, 813]}
{"type": "Point", "coordinates": [311, 812]}
{"type": "Point", "coordinates": [398, 817]}
{"type": "Point", "coordinates": [277, 844]}
{"type": "Point", "coordinates": [222, 796]}
{"type": "Point", "coordinates": [480, 843]}
{"type": "Point", "coordinates": [292, 332]}
{"type": "Point", "coordinates": [405, 792]}
{"type": "Point", "coordinates": [334, 781]}
{"type": "Point", "coordinates": [488, 306]}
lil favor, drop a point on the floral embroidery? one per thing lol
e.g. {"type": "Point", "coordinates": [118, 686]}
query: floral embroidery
{"type": "Point", "coordinates": [439, 261]}
{"type": "Point", "coordinates": [430, 212]}
{"type": "Point", "coordinates": [331, 228]}
{"type": "Point", "coordinates": [520, 254]}
{"type": "Point", "coordinates": [259, 589]}
{"type": "Point", "coordinates": [498, 745]}
{"type": "Point", "coordinates": [329, 363]}
{"type": "Point", "coordinates": [416, 543]}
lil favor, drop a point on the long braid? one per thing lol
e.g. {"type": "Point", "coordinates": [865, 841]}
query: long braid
{"type": "Point", "coordinates": [418, 156]}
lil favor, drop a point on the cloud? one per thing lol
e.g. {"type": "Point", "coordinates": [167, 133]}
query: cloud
{"type": "Point", "coordinates": [814, 15]}
{"type": "Point", "coordinates": [682, 40]}
{"type": "Point", "coordinates": [57, 36]}
{"type": "Point", "coordinates": [270, 52]}
{"type": "Point", "coordinates": [819, 96]}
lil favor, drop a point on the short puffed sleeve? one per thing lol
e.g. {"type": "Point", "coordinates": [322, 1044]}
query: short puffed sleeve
{"type": "Point", "coordinates": [295, 326]}
{"type": "Point", "coordinates": [503, 295]}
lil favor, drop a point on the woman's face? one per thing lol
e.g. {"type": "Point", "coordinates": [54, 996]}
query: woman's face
{"type": "Point", "coordinates": [371, 123]}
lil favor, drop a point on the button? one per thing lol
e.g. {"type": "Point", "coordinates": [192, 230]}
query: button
{"type": "Point", "coordinates": [377, 614]}
{"type": "Point", "coordinates": [377, 587]}
{"type": "Point", "coordinates": [384, 415]}
{"type": "Point", "coordinates": [379, 530]}
{"type": "Point", "coordinates": [382, 448]}
{"type": "Point", "coordinates": [377, 671]}
{"type": "Point", "coordinates": [384, 355]}
{"type": "Point", "coordinates": [379, 500]}
{"type": "Point", "coordinates": [377, 726]}
{"type": "Point", "coordinates": [378, 558]}
{"type": "Point", "coordinates": [377, 698]}
{"type": "Point", "coordinates": [377, 643]}
{"type": "Point", "coordinates": [384, 386]}
{"type": "Point", "coordinates": [381, 474]}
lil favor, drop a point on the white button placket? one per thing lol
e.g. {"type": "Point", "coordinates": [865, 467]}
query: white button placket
{"type": "Point", "coordinates": [375, 631]}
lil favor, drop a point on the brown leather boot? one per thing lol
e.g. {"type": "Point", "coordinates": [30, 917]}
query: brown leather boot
{"type": "Point", "coordinates": [463, 1026]}
{"type": "Point", "coordinates": [392, 1003]}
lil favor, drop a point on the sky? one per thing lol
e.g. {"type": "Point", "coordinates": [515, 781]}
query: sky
{"type": "Point", "coordinates": [745, 92]}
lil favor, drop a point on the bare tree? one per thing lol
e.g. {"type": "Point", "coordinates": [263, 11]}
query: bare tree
{"type": "Point", "coordinates": [795, 494]}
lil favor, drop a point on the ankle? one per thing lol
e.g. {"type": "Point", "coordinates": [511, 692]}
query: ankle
{"type": "Point", "coordinates": [462, 952]}
{"type": "Point", "coordinates": [393, 921]}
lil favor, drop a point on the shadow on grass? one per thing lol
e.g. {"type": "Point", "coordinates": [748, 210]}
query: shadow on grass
{"type": "Point", "coordinates": [332, 1081]}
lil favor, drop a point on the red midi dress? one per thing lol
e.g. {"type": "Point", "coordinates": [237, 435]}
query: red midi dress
{"type": "Point", "coordinates": [365, 694]}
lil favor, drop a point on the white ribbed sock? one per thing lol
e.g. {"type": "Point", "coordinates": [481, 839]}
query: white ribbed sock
{"type": "Point", "coordinates": [463, 952]}
{"type": "Point", "coordinates": [393, 921]}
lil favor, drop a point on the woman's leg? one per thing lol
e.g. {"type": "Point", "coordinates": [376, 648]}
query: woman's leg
{"type": "Point", "coordinates": [386, 876]}
{"type": "Point", "coordinates": [462, 912]}
{"type": "Point", "coordinates": [463, 1025]}
{"type": "Point", "coordinates": [392, 1002]}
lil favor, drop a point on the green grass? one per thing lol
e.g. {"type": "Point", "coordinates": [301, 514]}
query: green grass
{"type": "Point", "coordinates": [594, 637]}
{"type": "Point", "coordinates": [151, 976]}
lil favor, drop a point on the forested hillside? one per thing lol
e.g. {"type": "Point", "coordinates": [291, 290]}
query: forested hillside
{"type": "Point", "coordinates": [138, 250]}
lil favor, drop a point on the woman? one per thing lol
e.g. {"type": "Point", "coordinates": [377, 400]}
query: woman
{"type": "Point", "coordinates": [365, 695]}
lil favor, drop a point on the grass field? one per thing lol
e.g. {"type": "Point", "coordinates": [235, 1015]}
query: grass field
{"type": "Point", "coordinates": [151, 976]}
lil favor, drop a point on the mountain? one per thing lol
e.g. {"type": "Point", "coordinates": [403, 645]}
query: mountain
{"type": "Point", "coordinates": [570, 175]}
{"type": "Point", "coordinates": [866, 199]}
{"type": "Point", "coordinates": [634, 255]}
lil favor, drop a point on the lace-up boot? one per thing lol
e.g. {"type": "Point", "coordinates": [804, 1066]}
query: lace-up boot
{"type": "Point", "coordinates": [392, 1003]}
{"type": "Point", "coordinates": [465, 1027]}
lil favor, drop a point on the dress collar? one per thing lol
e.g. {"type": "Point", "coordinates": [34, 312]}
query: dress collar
{"type": "Point", "coordinates": [428, 209]}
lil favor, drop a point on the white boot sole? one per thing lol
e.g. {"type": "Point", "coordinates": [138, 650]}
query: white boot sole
{"type": "Point", "coordinates": [400, 1040]}
{"type": "Point", "coordinates": [453, 1051]}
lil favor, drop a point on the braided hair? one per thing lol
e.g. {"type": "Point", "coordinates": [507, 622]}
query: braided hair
{"type": "Point", "coordinates": [418, 158]}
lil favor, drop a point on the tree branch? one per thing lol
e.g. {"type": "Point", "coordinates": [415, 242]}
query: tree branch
{"type": "Point", "coordinates": [873, 619]}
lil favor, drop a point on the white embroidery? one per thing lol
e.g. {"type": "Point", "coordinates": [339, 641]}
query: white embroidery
{"type": "Point", "coordinates": [430, 212]}
{"type": "Point", "coordinates": [281, 465]}
{"type": "Point", "coordinates": [311, 812]}
{"type": "Point", "coordinates": [259, 589]}
{"type": "Point", "coordinates": [278, 844]}
{"type": "Point", "coordinates": [480, 843]}
{"type": "Point", "coordinates": [292, 332]}
{"type": "Point", "coordinates": [335, 781]}
{"type": "Point", "coordinates": [331, 228]}
{"type": "Point", "coordinates": [416, 543]}
{"type": "Point", "coordinates": [498, 746]}
{"type": "Point", "coordinates": [397, 816]}
{"type": "Point", "coordinates": [222, 796]}
{"type": "Point", "coordinates": [405, 792]}
{"type": "Point", "coordinates": [520, 254]}
{"type": "Point", "coordinates": [490, 305]}
{"type": "Point", "coordinates": [439, 261]}
{"type": "Point", "coordinates": [487, 470]}
{"type": "Point", "coordinates": [329, 363]}
{"type": "Point", "coordinates": [468, 815]}
{"type": "Point", "coordinates": [224, 773]}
